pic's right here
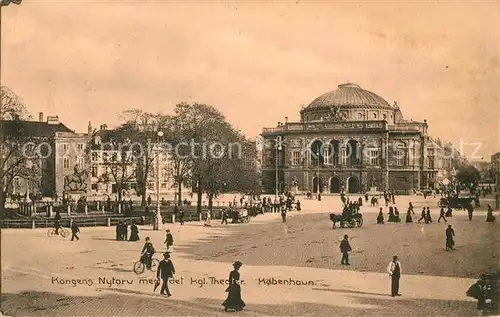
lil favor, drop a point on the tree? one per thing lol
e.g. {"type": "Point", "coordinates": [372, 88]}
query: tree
{"type": "Point", "coordinates": [141, 129]}
{"type": "Point", "coordinates": [120, 159]}
{"type": "Point", "coordinates": [468, 175]}
{"type": "Point", "coordinates": [18, 148]}
{"type": "Point", "coordinates": [210, 137]}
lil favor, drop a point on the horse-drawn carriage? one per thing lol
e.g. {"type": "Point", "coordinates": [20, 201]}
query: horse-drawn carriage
{"type": "Point", "coordinates": [238, 215]}
{"type": "Point", "coordinates": [347, 221]}
{"type": "Point", "coordinates": [455, 202]}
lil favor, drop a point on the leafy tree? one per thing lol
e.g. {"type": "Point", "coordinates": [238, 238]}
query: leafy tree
{"type": "Point", "coordinates": [141, 129]}
{"type": "Point", "coordinates": [18, 148]}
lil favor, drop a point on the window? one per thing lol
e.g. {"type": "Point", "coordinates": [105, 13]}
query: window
{"type": "Point", "coordinates": [295, 158]}
{"type": "Point", "coordinates": [374, 116]}
{"type": "Point", "coordinates": [151, 186]}
{"type": "Point", "coordinates": [29, 164]}
{"type": "Point", "coordinates": [80, 146]}
{"type": "Point", "coordinates": [315, 117]}
{"type": "Point", "coordinates": [374, 157]}
{"type": "Point", "coordinates": [163, 185]}
{"type": "Point", "coordinates": [81, 162]}
{"type": "Point", "coordinates": [326, 155]}
{"type": "Point", "coordinates": [105, 156]}
{"type": "Point", "coordinates": [94, 156]}
{"type": "Point", "coordinates": [65, 162]}
{"type": "Point", "coordinates": [114, 156]}
{"type": "Point", "coordinates": [343, 156]}
{"type": "Point", "coordinates": [431, 162]}
{"type": "Point", "coordinates": [65, 148]}
{"type": "Point", "coordinates": [400, 158]}
{"type": "Point", "coordinates": [94, 170]}
{"type": "Point", "coordinates": [94, 187]}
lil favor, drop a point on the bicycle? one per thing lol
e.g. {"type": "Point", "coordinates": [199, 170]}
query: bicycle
{"type": "Point", "coordinates": [140, 266]}
{"type": "Point", "coordinates": [62, 231]}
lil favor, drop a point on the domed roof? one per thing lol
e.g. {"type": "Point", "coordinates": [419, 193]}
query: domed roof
{"type": "Point", "coordinates": [348, 95]}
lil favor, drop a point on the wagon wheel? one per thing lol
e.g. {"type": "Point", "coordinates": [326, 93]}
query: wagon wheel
{"type": "Point", "coordinates": [441, 203]}
{"type": "Point", "coordinates": [246, 219]}
{"type": "Point", "coordinates": [359, 222]}
{"type": "Point", "coordinates": [352, 223]}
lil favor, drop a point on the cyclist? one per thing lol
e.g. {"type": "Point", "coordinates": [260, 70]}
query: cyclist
{"type": "Point", "coordinates": [147, 253]}
{"type": "Point", "coordinates": [58, 221]}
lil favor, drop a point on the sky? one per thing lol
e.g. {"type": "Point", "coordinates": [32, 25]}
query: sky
{"type": "Point", "coordinates": [257, 61]}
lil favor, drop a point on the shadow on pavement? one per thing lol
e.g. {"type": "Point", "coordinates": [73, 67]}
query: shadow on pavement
{"type": "Point", "coordinates": [123, 302]}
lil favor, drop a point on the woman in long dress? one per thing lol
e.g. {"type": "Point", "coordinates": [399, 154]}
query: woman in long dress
{"type": "Point", "coordinates": [233, 300]}
{"type": "Point", "coordinates": [208, 221]}
{"type": "Point", "coordinates": [134, 232]}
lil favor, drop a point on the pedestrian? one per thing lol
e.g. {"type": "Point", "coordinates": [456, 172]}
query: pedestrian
{"type": "Point", "coordinates": [224, 216]}
{"type": "Point", "coordinates": [470, 210]}
{"type": "Point", "coordinates": [380, 217]}
{"type": "Point", "coordinates": [134, 232]}
{"type": "Point", "coordinates": [423, 216]}
{"type": "Point", "coordinates": [181, 216]}
{"type": "Point", "coordinates": [233, 300]}
{"type": "Point", "coordinates": [450, 242]}
{"type": "Point", "coordinates": [298, 205]}
{"type": "Point", "coordinates": [428, 218]}
{"type": "Point", "coordinates": [125, 231]}
{"type": "Point", "coordinates": [118, 231]}
{"type": "Point", "coordinates": [394, 270]}
{"type": "Point", "coordinates": [408, 216]}
{"type": "Point", "coordinates": [169, 240]}
{"type": "Point", "coordinates": [366, 197]}
{"type": "Point", "coordinates": [75, 230]}
{"type": "Point", "coordinates": [449, 212]}
{"type": "Point", "coordinates": [410, 207]}
{"type": "Point", "coordinates": [283, 214]}
{"type": "Point", "coordinates": [166, 270]}
{"type": "Point", "coordinates": [489, 214]}
{"type": "Point", "coordinates": [208, 219]}
{"type": "Point", "coordinates": [345, 248]}
{"type": "Point", "coordinates": [441, 216]}
{"type": "Point", "coordinates": [149, 200]}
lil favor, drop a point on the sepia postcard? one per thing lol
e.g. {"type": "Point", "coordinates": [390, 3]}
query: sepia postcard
{"type": "Point", "coordinates": [250, 158]}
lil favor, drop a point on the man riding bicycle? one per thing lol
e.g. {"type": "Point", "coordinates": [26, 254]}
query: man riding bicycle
{"type": "Point", "coordinates": [147, 253]}
{"type": "Point", "coordinates": [57, 224]}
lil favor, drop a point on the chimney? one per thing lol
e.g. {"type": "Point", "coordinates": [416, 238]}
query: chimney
{"type": "Point", "coordinates": [286, 119]}
{"type": "Point", "coordinates": [89, 128]}
{"type": "Point", "coordinates": [40, 116]}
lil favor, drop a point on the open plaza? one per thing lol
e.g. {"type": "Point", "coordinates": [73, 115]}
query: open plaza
{"type": "Point", "coordinates": [290, 268]}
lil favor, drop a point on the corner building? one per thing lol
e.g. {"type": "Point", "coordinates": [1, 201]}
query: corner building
{"type": "Point", "coordinates": [350, 139]}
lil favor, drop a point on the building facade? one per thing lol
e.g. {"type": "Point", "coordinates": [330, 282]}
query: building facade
{"type": "Point", "coordinates": [350, 139]}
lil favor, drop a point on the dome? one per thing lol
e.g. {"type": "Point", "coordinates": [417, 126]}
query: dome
{"type": "Point", "coordinates": [348, 95]}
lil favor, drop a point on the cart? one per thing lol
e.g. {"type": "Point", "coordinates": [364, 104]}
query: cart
{"type": "Point", "coordinates": [239, 216]}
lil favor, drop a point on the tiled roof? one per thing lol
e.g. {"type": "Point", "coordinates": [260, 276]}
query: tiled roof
{"type": "Point", "coordinates": [349, 95]}
{"type": "Point", "coordinates": [31, 128]}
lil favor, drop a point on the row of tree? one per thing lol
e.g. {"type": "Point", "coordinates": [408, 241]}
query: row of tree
{"type": "Point", "coordinates": [135, 138]}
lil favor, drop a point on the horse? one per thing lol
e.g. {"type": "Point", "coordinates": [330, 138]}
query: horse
{"type": "Point", "coordinates": [335, 218]}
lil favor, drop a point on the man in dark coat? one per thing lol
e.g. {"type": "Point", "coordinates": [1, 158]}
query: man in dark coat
{"type": "Point", "coordinates": [181, 216]}
{"type": "Point", "coordinates": [75, 230]}
{"type": "Point", "coordinates": [442, 216]}
{"type": "Point", "coordinates": [169, 240]}
{"type": "Point", "coordinates": [422, 216]}
{"type": "Point", "coordinates": [345, 248]}
{"type": "Point", "coordinates": [165, 271]}
{"type": "Point", "coordinates": [224, 216]}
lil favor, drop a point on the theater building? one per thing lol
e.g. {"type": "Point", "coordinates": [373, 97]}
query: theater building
{"type": "Point", "coordinates": [349, 139]}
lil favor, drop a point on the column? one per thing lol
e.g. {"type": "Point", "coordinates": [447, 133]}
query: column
{"type": "Point", "coordinates": [86, 209]}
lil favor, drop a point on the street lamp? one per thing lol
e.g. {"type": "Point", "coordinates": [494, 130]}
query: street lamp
{"type": "Point", "coordinates": [317, 154]}
{"type": "Point", "coordinates": [159, 220]}
{"type": "Point", "coordinates": [278, 148]}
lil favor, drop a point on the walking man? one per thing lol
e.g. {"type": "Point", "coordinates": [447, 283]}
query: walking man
{"type": "Point", "coordinates": [441, 216]}
{"type": "Point", "coordinates": [169, 240]}
{"type": "Point", "coordinates": [394, 270]}
{"type": "Point", "coordinates": [74, 231]}
{"type": "Point", "coordinates": [181, 216]}
{"type": "Point", "coordinates": [165, 271]}
{"type": "Point", "coordinates": [224, 217]}
{"type": "Point", "coordinates": [428, 218]}
{"type": "Point", "coordinates": [345, 248]}
{"type": "Point", "coordinates": [422, 216]}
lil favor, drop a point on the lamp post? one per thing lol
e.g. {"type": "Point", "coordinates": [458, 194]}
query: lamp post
{"type": "Point", "coordinates": [317, 154]}
{"type": "Point", "coordinates": [278, 148]}
{"type": "Point", "coordinates": [159, 220]}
